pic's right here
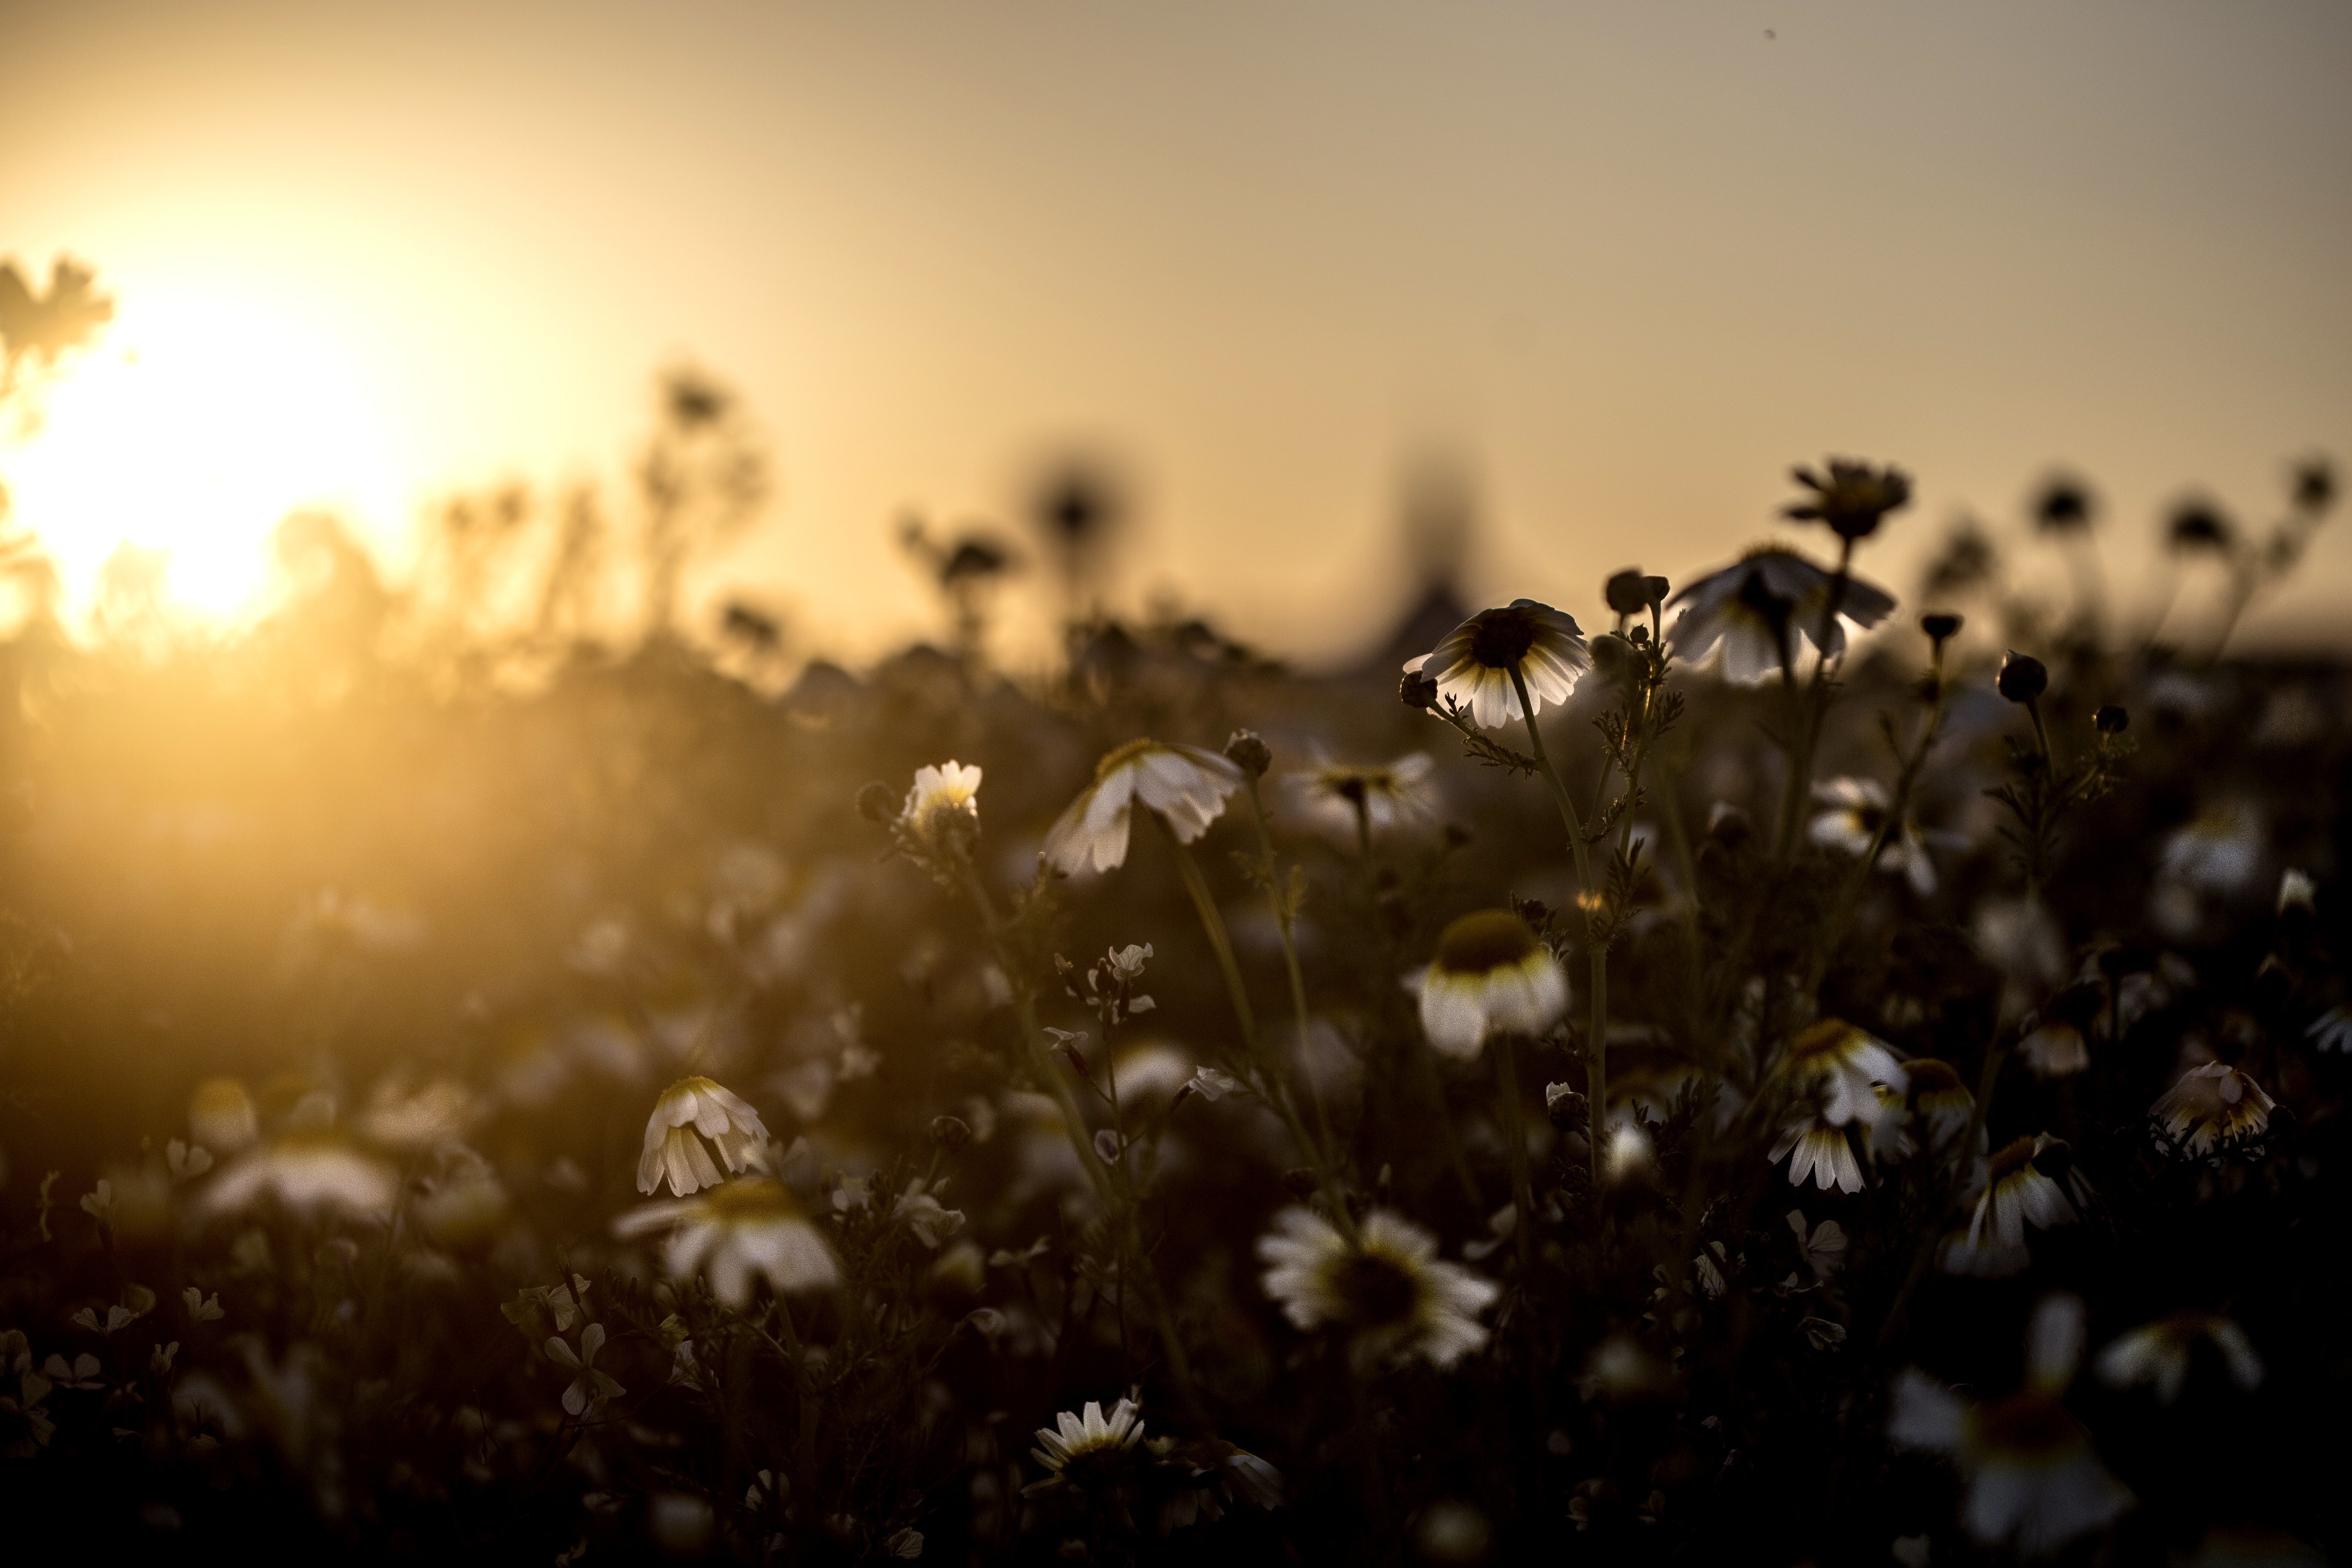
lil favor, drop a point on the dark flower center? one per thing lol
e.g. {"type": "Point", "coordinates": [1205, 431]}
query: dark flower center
{"type": "Point", "coordinates": [1756, 596]}
{"type": "Point", "coordinates": [1500, 638]}
{"type": "Point", "coordinates": [1373, 1291]}
{"type": "Point", "coordinates": [2027, 1424]}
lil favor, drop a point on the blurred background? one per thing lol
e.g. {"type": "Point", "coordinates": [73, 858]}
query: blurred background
{"type": "Point", "coordinates": [1571, 285]}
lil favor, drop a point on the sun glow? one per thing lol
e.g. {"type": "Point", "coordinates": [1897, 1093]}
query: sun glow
{"type": "Point", "coordinates": [167, 454]}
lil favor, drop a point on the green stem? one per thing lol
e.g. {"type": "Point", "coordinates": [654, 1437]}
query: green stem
{"type": "Point", "coordinates": [1596, 1049]}
{"type": "Point", "coordinates": [1326, 1147]}
{"type": "Point", "coordinates": [1963, 1159]}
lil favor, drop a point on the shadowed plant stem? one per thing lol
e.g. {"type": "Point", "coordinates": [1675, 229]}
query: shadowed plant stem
{"type": "Point", "coordinates": [1116, 1204]}
{"type": "Point", "coordinates": [1596, 1046]}
{"type": "Point", "coordinates": [1514, 1135]}
{"type": "Point", "coordinates": [1274, 1085]}
{"type": "Point", "coordinates": [1963, 1160]}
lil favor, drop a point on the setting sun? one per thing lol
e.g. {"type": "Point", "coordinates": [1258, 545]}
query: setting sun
{"type": "Point", "coordinates": [203, 421]}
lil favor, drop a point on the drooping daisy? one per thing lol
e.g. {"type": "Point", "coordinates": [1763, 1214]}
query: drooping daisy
{"type": "Point", "coordinates": [1088, 1452]}
{"type": "Point", "coordinates": [2033, 1478]}
{"type": "Point", "coordinates": [2210, 1106]}
{"type": "Point", "coordinates": [311, 1172]}
{"type": "Point", "coordinates": [672, 1151]}
{"type": "Point", "coordinates": [1822, 1150]}
{"type": "Point", "coordinates": [1187, 786]}
{"type": "Point", "coordinates": [1336, 797]}
{"type": "Point", "coordinates": [2332, 1030]}
{"type": "Point", "coordinates": [2018, 1192]}
{"type": "Point", "coordinates": [1839, 1065]}
{"type": "Point", "coordinates": [1940, 1101]}
{"type": "Point", "coordinates": [2056, 1048]}
{"type": "Point", "coordinates": [942, 800]}
{"type": "Point", "coordinates": [1766, 609]}
{"type": "Point", "coordinates": [734, 1231]}
{"type": "Point", "coordinates": [1852, 499]}
{"type": "Point", "coordinates": [1491, 972]}
{"type": "Point", "coordinates": [1856, 812]}
{"type": "Point", "coordinates": [1390, 1295]}
{"type": "Point", "coordinates": [1473, 663]}
{"type": "Point", "coordinates": [2219, 852]}
{"type": "Point", "coordinates": [2156, 1354]}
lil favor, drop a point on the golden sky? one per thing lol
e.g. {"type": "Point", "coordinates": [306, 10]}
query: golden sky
{"type": "Point", "coordinates": [1625, 262]}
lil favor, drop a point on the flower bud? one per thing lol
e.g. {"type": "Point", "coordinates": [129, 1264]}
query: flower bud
{"type": "Point", "coordinates": [1419, 690]}
{"type": "Point", "coordinates": [879, 803]}
{"type": "Point", "coordinates": [951, 1132]}
{"type": "Point", "coordinates": [2111, 719]}
{"type": "Point", "coordinates": [1249, 754]}
{"type": "Point", "coordinates": [2022, 677]}
{"type": "Point", "coordinates": [1653, 591]}
{"type": "Point", "coordinates": [1626, 592]}
{"type": "Point", "coordinates": [1941, 625]}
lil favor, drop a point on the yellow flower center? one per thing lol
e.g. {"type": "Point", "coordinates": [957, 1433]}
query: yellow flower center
{"type": "Point", "coordinates": [1486, 941]}
{"type": "Point", "coordinates": [1114, 761]}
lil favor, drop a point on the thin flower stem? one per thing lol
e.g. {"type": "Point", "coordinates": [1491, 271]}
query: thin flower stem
{"type": "Point", "coordinates": [1115, 1203]}
{"type": "Point", "coordinates": [1806, 714]}
{"type": "Point", "coordinates": [1849, 895]}
{"type": "Point", "coordinates": [1327, 1148]}
{"type": "Point", "coordinates": [1273, 1084]}
{"type": "Point", "coordinates": [1515, 1134]}
{"type": "Point", "coordinates": [1596, 1049]}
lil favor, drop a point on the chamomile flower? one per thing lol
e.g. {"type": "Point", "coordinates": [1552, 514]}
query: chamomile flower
{"type": "Point", "coordinates": [1766, 609]}
{"type": "Point", "coordinates": [1473, 664]}
{"type": "Point", "coordinates": [942, 801]}
{"type": "Point", "coordinates": [1089, 1451]}
{"type": "Point", "coordinates": [2219, 852]}
{"type": "Point", "coordinates": [1187, 786]}
{"type": "Point", "coordinates": [1338, 798]}
{"type": "Point", "coordinates": [2332, 1030]}
{"type": "Point", "coordinates": [2157, 1354]}
{"type": "Point", "coordinates": [734, 1231]}
{"type": "Point", "coordinates": [1940, 1102]}
{"type": "Point", "coordinates": [2056, 1048]}
{"type": "Point", "coordinates": [2210, 1106]}
{"type": "Point", "coordinates": [1856, 811]}
{"type": "Point", "coordinates": [673, 1152]}
{"type": "Point", "coordinates": [2032, 1477]}
{"type": "Point", "coordinates": [1820, 1150]}
{"type": "Point", "coordinates": [2018, 1192]}
{"type": "Point", "coordinates": [1490, 973]}
{"type": "Point", "coordinates": [312, 1171]}
{"type": "Point", "coordinates": [1390, 1294]}
{"type": "Point", "coordinates": [1839, 1065]}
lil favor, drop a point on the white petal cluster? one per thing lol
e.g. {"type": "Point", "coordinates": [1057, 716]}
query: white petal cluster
{"type": "Point", "coordinates": [1490, 974]}
{"type": "Point", "coordinates": [2157, 1354]}
{"type": "Point", "coordinates": [1391, 1293]}
{"type": "Point", "coordinates": [1187, 786]}
{"type": "Point", "coordinates": [939, 798]}
{"type": "Point", "coordinates": [1473, 663]}
{"type": "Point", "coordinates": [1767, 610]}
{"type": "Point", "coordinates": [2212, 1106]}
{"type": "Point", "coordinates": [673, 1153]}
{"type": "Point", "coordinates": [735, 1231]}
{"type": "Point", "coordinates": [1073, 1438]}
{"type": "Point", "coordinates": [309, 1171]}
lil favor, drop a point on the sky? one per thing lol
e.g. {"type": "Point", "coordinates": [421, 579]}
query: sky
{"type": "Point", "coordinates": [1621, 264]}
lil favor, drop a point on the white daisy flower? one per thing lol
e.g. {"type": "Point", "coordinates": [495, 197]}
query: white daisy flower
{"type": "Point", "coordinates": [311, 1172]}
{"type": "Point", "coordinates": [1473, 663]}
{"type": "Point", "coordinates": [2220, 852]}
{"type": "Point", "coordinates": [2034, 1479]}
{"type": "Point", "coordinates": [1490, 974]}
{"type": "Point", "coordinates": [1088, 1451]}
{"type": "Point", "coordinates": [2332, 1030]}
{"type": "Point", "coordinates": [1336, 797]}
{"type": "Point", "coordinates": [1856, 810]}
{"type": "Point", "coordinates": [941, 798]}
{"type": "Point", "coordinates": [2017, 1193]}
{"type": "Point", "coordinates": [2210, 1106]}
{"type": "Point", "coordinates": [1187, 786]}
{"type": "Point", "coordinates": [1822, 1150]}
{"type": "Point", "coordinates": [2157, 1354]}
{"type": "Point", "coordinates": [2056, 1048]}
{"type": "Point", "coordinates": [672, 1151]}
{"type": "Point", "coordinates": [1766, 609]}
{"type": "Point", "coordinates": [1841, 1067]}
{"type": "Point", "coordinates": [1391, 1294]}
{"type": "Point", "coordinates": [734, 1231]}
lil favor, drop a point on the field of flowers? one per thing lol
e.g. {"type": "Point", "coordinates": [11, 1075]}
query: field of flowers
{"type": "Point", "coordinates": [1650, 1080]}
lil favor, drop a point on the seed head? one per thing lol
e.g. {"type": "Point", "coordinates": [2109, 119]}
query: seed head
{"type": "Point", "coordinates": [2022, 677]}
{"type": "Point", "coordinates": [1250, 753]}
{"type": "Point", "coordinates": [1941, 625]}
{"type": "Point", "coordinates": [1419, 690]}
{"type": "Point", "coordinates": [2112, 719]}
{"type": "Point", "coordinates": [877, 802]}
{"type": "Point", "coordinates": [1627, 592]}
